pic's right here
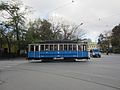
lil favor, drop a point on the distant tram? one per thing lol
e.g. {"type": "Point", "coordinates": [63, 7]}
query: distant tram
{"type": "Point", "coordinates": [66, 50]}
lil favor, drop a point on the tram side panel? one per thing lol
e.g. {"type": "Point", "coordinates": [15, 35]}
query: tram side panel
{"type": "Point", "coordinates": [58, 54]}
{"type": "Point", "coordinates": [83, 55]}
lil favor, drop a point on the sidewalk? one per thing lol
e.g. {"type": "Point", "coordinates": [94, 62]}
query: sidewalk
{"type": "Point", "coordinates": [110, 54]}
{"type": "Point", "coordinates": [12, 59]}
{"type": "Point", "coordinates": [7, 63]}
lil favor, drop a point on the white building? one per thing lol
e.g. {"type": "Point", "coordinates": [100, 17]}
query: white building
{"type": "Point", "coordinates": [92, 45]}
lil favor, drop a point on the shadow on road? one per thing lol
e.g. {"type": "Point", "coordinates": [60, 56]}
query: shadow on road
{"type": "Point", "coordinates": [60, 61]}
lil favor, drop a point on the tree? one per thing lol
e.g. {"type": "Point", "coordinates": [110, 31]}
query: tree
{"type": "Point", "coordinates": [116, 39]}
{"type": "Point", "coordinates": [56, 29]}
{"type": "Point", "coordinates": [15, 18]}
{"type": "Point", "coordinates": [6, 35]}
{"type": "Point", "coordinates": [66, 30]}
{"type": "Point", "coordinates": [46, 32]}
{"type": "Point", "coordinates": [39, 30]}
{"type": "Point", "coordinates": [104, 41]}
{"type": "Point", "coordinates": [33, 31]}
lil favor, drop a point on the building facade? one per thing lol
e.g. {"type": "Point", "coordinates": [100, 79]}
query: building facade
{"type": "Point", "coordinates": [92, 45]}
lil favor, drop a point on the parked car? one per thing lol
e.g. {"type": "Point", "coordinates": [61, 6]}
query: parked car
{"type": "Point", "coordinates": [95, 53]}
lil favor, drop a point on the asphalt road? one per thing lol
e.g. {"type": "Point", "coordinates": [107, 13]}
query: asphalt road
{"type": "Point", "coordinates": [95, 74]}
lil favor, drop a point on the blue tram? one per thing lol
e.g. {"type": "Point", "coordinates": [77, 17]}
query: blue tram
{"type": "Point", "coordinates": [48, 50]}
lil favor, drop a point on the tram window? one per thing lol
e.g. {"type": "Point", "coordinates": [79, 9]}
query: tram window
{"type": "Point", "coordinates": [42, 48]}
{"type": "Point", "coordinates": [36, 48]}
{"type": "Point", "coordinates": [70, 47]}
{"type": "Point", "coordinates": [61, 48]}
{"type": "Point", "coordinates": [65, 47]}
{"type": "Point", "coordinates": [46, 47]}
{"type": "Point", "coordinates": [55, 47]}
{"type": "Point", "coordinates": [74, 47]}
{"type": "Point", "coordinates": [51, 47]}
{"type": "Point", "coordinates": [84, 47]}
{"type": "Point", "coordinates": [79, 48]}
{"type": "Point", "coordinates": [31, 47]}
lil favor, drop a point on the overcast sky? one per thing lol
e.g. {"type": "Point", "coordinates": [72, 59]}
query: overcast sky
{"type": "Point", "coordinates": [97, 16]}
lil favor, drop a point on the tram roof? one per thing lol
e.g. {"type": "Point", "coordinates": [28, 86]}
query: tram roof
{"type": "Point", "coordinates": [60, 41]}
